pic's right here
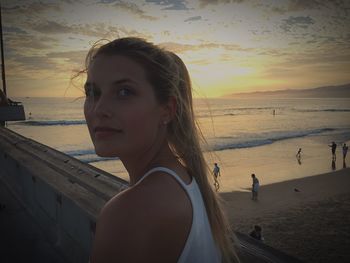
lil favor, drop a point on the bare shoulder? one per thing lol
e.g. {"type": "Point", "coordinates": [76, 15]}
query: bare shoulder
{"type": "Point", "coordinates": [148, 222]}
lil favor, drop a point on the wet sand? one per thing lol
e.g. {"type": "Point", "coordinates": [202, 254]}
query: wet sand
{"type": "Point", "coordinates": [311, 224]}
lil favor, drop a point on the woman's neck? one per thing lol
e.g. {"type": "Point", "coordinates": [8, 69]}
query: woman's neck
{"type": "Point", "coordinates": [137, 167]}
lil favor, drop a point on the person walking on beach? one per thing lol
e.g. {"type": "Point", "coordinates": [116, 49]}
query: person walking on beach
{"type": "Point", "coordinates": [333, 148]}
{"type": "Point", "coordinates": [298, 155]}
{"type": "Point", "coordinates": [255, 188]}
{"type": "Point", "coordinates": [345, 151]}
{"type": "Point", "coordinates": [138, 107]}
{"type": "Point", "coordinates": [216, 173]}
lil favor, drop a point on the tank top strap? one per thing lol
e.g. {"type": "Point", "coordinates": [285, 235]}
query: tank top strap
{"type": "Point", "coordinates": [165, 170]}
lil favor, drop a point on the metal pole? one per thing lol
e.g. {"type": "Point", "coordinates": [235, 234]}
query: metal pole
{"type": "Point", "coordinates": [2, 56]}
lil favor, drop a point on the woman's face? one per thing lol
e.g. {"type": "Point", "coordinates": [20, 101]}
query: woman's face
{"type": "Point", "coordinates": [121, 110]}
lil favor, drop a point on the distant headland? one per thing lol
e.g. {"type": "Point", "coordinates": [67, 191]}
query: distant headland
{"type": "Point", "coordinates": [340, 91]}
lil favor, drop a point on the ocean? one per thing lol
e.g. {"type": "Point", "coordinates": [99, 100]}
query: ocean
{"type": "Point", "coordinates": [242, 135]}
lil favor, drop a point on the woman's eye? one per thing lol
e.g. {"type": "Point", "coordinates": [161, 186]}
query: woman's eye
{"type": "Point", "coordinates": [124, 92]}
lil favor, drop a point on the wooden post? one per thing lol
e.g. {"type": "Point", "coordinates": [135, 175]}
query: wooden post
{"type": "Point", "coordinates": [2, 56]}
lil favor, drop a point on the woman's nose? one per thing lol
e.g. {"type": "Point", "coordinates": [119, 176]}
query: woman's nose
{"type": "Point", "coordinates": [102, 107]}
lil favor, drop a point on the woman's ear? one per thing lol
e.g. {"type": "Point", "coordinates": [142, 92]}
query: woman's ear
{"type": "Point", "coordinates": [169, 109]}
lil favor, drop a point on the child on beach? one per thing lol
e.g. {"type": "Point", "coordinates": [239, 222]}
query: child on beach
{"type": "Point", "coordinates": [216, 173]}
{"type": "Point", "coordinates": [138, 107]}
{"type": "Point", "coordinates": [257, 233]}
{"type": "Point", "coordinates": [255, 188]}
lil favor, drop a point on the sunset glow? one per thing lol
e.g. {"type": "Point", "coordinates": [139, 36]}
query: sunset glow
{"type": "Point", "coordinates": [228, 46]}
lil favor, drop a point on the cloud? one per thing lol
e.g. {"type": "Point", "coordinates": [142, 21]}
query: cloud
{"type": "Point", "coordinates": [297, 5]}
{"type": "Point", "coordinates": [15, 30]}
{"type": "Point", "coordinates": [36, 62]}
{"type": "Point", "coordinates": [51, 27]}
{"type": "Point", "coordinates": [133, 8]}
{"type": "Point", "coordinates": [129, 7]}
{"type": "Point", "coordinates": [21, 43]}
{"type": "Point", "coordinates": [204, 3]}
{"type": "Point", "coordinates": [272, 52]}
{"type": "Point", "coordinates": [340, 6]}
{"type": "Point", "coordinates": [76, 57]}
{"type": "Point", "coordinates": [300, 21]}
{"type": "Point", "coordinates": [170, 4]}
{"type": "Point", "coordinates": [180, 48]}
{"type": "Point", "coordinates": [98, 30]}
{"type": "Point", "coordinates": [34, 8]}
{"type": "Point", "coordinates": [193, 18]}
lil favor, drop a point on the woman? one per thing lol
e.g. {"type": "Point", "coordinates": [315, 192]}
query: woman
{"type": "Point", "coordinates": [138, 107]}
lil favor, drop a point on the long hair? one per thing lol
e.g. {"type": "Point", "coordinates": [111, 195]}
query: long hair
{"type": "Point", "coordinates": [169, 77]}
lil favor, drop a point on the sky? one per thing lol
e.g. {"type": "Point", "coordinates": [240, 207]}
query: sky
{"type": "Point", "coordinates": [229, 46]}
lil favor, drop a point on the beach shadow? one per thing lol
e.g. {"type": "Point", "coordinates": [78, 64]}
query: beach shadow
{"type": "Point", "coordinates": [333, 165]}
{"type": "Point", "coordinates": [299, 160]}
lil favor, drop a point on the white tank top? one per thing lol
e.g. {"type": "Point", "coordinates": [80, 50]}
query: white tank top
{"type": "Point", "coordinates": [200, 245]}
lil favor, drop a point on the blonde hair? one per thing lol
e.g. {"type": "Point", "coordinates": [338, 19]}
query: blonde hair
{"type": "Point", "coordinates": [169, 76]}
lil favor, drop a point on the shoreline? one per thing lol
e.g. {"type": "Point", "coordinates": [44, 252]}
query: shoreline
{"type": "Point", "coordinates": [311, 224]}
{"type": "Point", "coordinates": [276, 162]}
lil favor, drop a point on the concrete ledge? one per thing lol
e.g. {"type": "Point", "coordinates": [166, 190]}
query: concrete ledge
{"type": "Point", "coordinates": [63, 194]}
{"type": "Point", "coordinates": [57, 199]}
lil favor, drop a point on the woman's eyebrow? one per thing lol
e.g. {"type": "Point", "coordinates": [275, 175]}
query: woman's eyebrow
{"type": "Point", "coordinates": [123, 81]}
{"type": "Point", "coordinates": [114, 83]}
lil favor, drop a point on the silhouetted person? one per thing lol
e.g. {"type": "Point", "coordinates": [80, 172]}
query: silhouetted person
{"type": "Point", "coordinates": [333, 164]}
{"type": "Point", "coordinates": [345, 151]}
{"type": "Point", "coordinates": [216, 173]}
{"type": "Point", "coordinates": [333, 147]}
{"type": "Point", "coordinates": [255, 188]}
{"type": "Point", "coordinates": [256, 233]}
{"type": "Point", "coordinates": [298, 155]}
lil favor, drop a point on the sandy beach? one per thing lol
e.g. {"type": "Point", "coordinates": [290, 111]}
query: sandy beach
{"type": "Point", "coordinates": [311, 224]}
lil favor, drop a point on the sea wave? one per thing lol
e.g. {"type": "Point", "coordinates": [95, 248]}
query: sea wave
{"type": "Point", "coordinates": [95, 159]}
{"type": "Point", "coordinates": [76, 153]}
{"type": "Point", "coordinates": [263, 139]}
{"type": "Point", "coordinates": [52, 123]}
{"type": "Point", "coordinates": [323, 110]}
{"type": "Point", "coordinates": [203, 113]}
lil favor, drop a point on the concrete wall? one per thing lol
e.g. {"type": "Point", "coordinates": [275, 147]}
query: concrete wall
{"type": "Point", "coordinates": [62, 194]}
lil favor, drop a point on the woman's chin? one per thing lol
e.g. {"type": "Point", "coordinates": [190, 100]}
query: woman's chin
{"type": "Point", "coordinates": [105, 153]}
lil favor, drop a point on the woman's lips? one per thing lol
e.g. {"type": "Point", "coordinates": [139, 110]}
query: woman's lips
{"type": "Point", "coordinates": [105, 132]}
